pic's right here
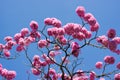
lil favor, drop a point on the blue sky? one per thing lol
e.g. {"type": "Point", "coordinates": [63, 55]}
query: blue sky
{"type": "Point", "coordinates": [17, 14]}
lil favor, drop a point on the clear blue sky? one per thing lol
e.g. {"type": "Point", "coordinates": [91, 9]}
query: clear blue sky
{"type": "Point", "coordinates": [16, 14]}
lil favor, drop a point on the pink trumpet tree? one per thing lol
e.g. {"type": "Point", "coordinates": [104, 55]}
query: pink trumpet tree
{"type": "Point", "coordinates": [56, 40]}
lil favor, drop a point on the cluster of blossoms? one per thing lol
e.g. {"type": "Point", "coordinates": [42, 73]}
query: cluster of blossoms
{"type": "Point", "coordinates": [7, 74]}
{"type": "Point", "coordinates": [21, 40]}
{"type": "Point", "coordinates": [111, 41]}
{"type": "Point", "coordinates": [61, 39]}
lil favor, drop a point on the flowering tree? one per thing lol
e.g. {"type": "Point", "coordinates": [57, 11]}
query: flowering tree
{"type": "Point", "coordinates": [60, 49]}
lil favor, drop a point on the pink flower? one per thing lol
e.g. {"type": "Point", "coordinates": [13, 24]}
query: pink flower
{"type": "Point", "coordinates": [80, 10]}
{"type": "Point", "coordinates": [42, 43]}
{"type": "Point", "coordinates": [103, 40]}
{"type": "Point", "coordinates": [50, 32]}
{"type": "Point", "coordinates": [17, 36]}
{"type": "Point", "coordinates": [8, 38]}
{"type": "Point", "coordinates": [61, 31]}
{"type": "Point", "coordinates": [118, 65]}
{"type": "Point", "coordinates": [34, 25]}
{"type": "Point", "coordinates": [92, 21]}
{"type": "Point", "coordinates": [6, 53]}
{"type": "Point", "coordinates": [28, 40]}
{"type": "Point", "coordinates": [24, 32]}
{"type": "Point", "coordinates": [87, 16]}
{"type": "Point", "coordinates": [48, 21]}
{"type": "Point", "coordinates": [117, 40]}
{"type": "Point", "coordinates": [88, 34]}
{"type": "Point", "coordinates": [10, 75]}
{"type": "Point", "coordinates": [69, 28]}
{"type": "Point", "coordinates": [75, 49]}
{"type": "Point", "coordinates": [4, 72]}
{"type": "Point", "coordinates": [56, 23]}
{"type": "Point", "coordinates": [109, 59]}
{"type": "Point", "coordinates": [94, 27]}
{"type": "Point", "coordinates": [35, 71]}
{"type": "Point", "coordinates": [19, 48]}
{"type": "Point", "coordinates": [35, 35]}
{"type": "Point", "coordinates": [52, 71]}
{"type": "Point", "coordinates": [99, 65]}
{"type": "Point", "coordinates": [112, 45]}
{"type": "Point", "coordinates": [117, 76]}
{"type": "Point", "coordinates": [36, 57]}
{"type": "Point", "coordinates": [52, 54]}
{"type": "Point", "coordinates": [77, 28]}
{"type": "Point", "coordinates": [111, 33]}
{"type": "Point", "coordinates": [92, 75]}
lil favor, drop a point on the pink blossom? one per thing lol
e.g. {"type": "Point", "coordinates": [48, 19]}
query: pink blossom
{"type": "Point", "coordinates": [109, 59]}
{"type": "Point", "coordinates": [19, 48]}
{"type": "Point", "coordinates": [36, 57]}
{"type": "Point", "coordinates": [118, 65]}
{"type": "Point", "coordinates": [69, 28]}
{"type": "Point", "coordinates": [56, 23]}
{"type": "Point", "coordinates": [92, 75]}
{"type": "Point", "coordinates": [94, 27]}
{"type": "Point", "coordinates": [77, 28]}
{"type": "Point", "coordinates": [48, 21]}
{"type": "Point", "coordinates": [116, 39]}
{"type": "Point", "coordinates": [50, 32]}
{"type": "Point", "coordinates": [74, 45]}
{"type": "Point", "coordinates": [10, 75]}
{"type": "Point", "coordinates": [35, 35]}
{"type": "Point", "coordinates": [34, 25]}
{"type": "Point", "coordinates": [52, 71]}
{"type": "Point", "coordinates": [4, 72]}
{"type": "Point", "coordinates": [42, 43]}
{"type": "Point", "coordinates": [21, 42]}
{"type": "Point", "coordinates": [6, 53]}
{"type": "Point", "coordinates": [112, 45]}
{"type": "Point", "coordinates": [80, 10]}
{"type": "Point", "coordinates": [61, 31]}
{"type": "Point", "coordinates": [52, 54]}
{"type": "Point", "coordinates": [103, 40]}
{"type": "Point", "coordinates": [28, 40]}
{"type": "Point", "coordinates": [111, 33]}
{"type": "Point", "coordinates": [99, 65]}
{"type": "Point", "coordinates": [92, 21]}
{"type": "Point", "coordinates": [75, 49]}
{"type": "Point", "coordinates": [56, 47]}
{"type": "Point", "coordinates": [36, 64]}
{"type": "Point", "coordinates": [75, 52]}
{"type": "Point", "coordinates": [8, 38]}
{"type": "Point", "coordinates": [24, 32]}
{"type": "Point", "coordinates": [35, 71]}
{"type": "Point", "coordinates": [17, 36]}
{"type": "Point", "coordinates": [87, 16]}
{"type": "Point", "coordinates": [80, 36]}
{"type": "Point", "coordinates": [117, 76]}
{"type": "Point", "coordinates": [88, 34]}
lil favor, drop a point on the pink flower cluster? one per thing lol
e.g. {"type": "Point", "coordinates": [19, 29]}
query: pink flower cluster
{"type": "Point", "coordinates": [38, 63]}
{"type": "Point", "coordinates": [7, 74]}
{"type": "Point", "coordinates": [109, 60]}
{"type": "Point", "coordinates": [77, 31]}
{"type": "Point", "coordinates": [53, 21]}
{"type": "Point", "coordinates": [88, 17]}
{"type": "Point", "coordinates": [20, 40]}
{"type": "Point", "coordinates": [110, 41]}
{"type": "Point", "coordinates": [75, 49]}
